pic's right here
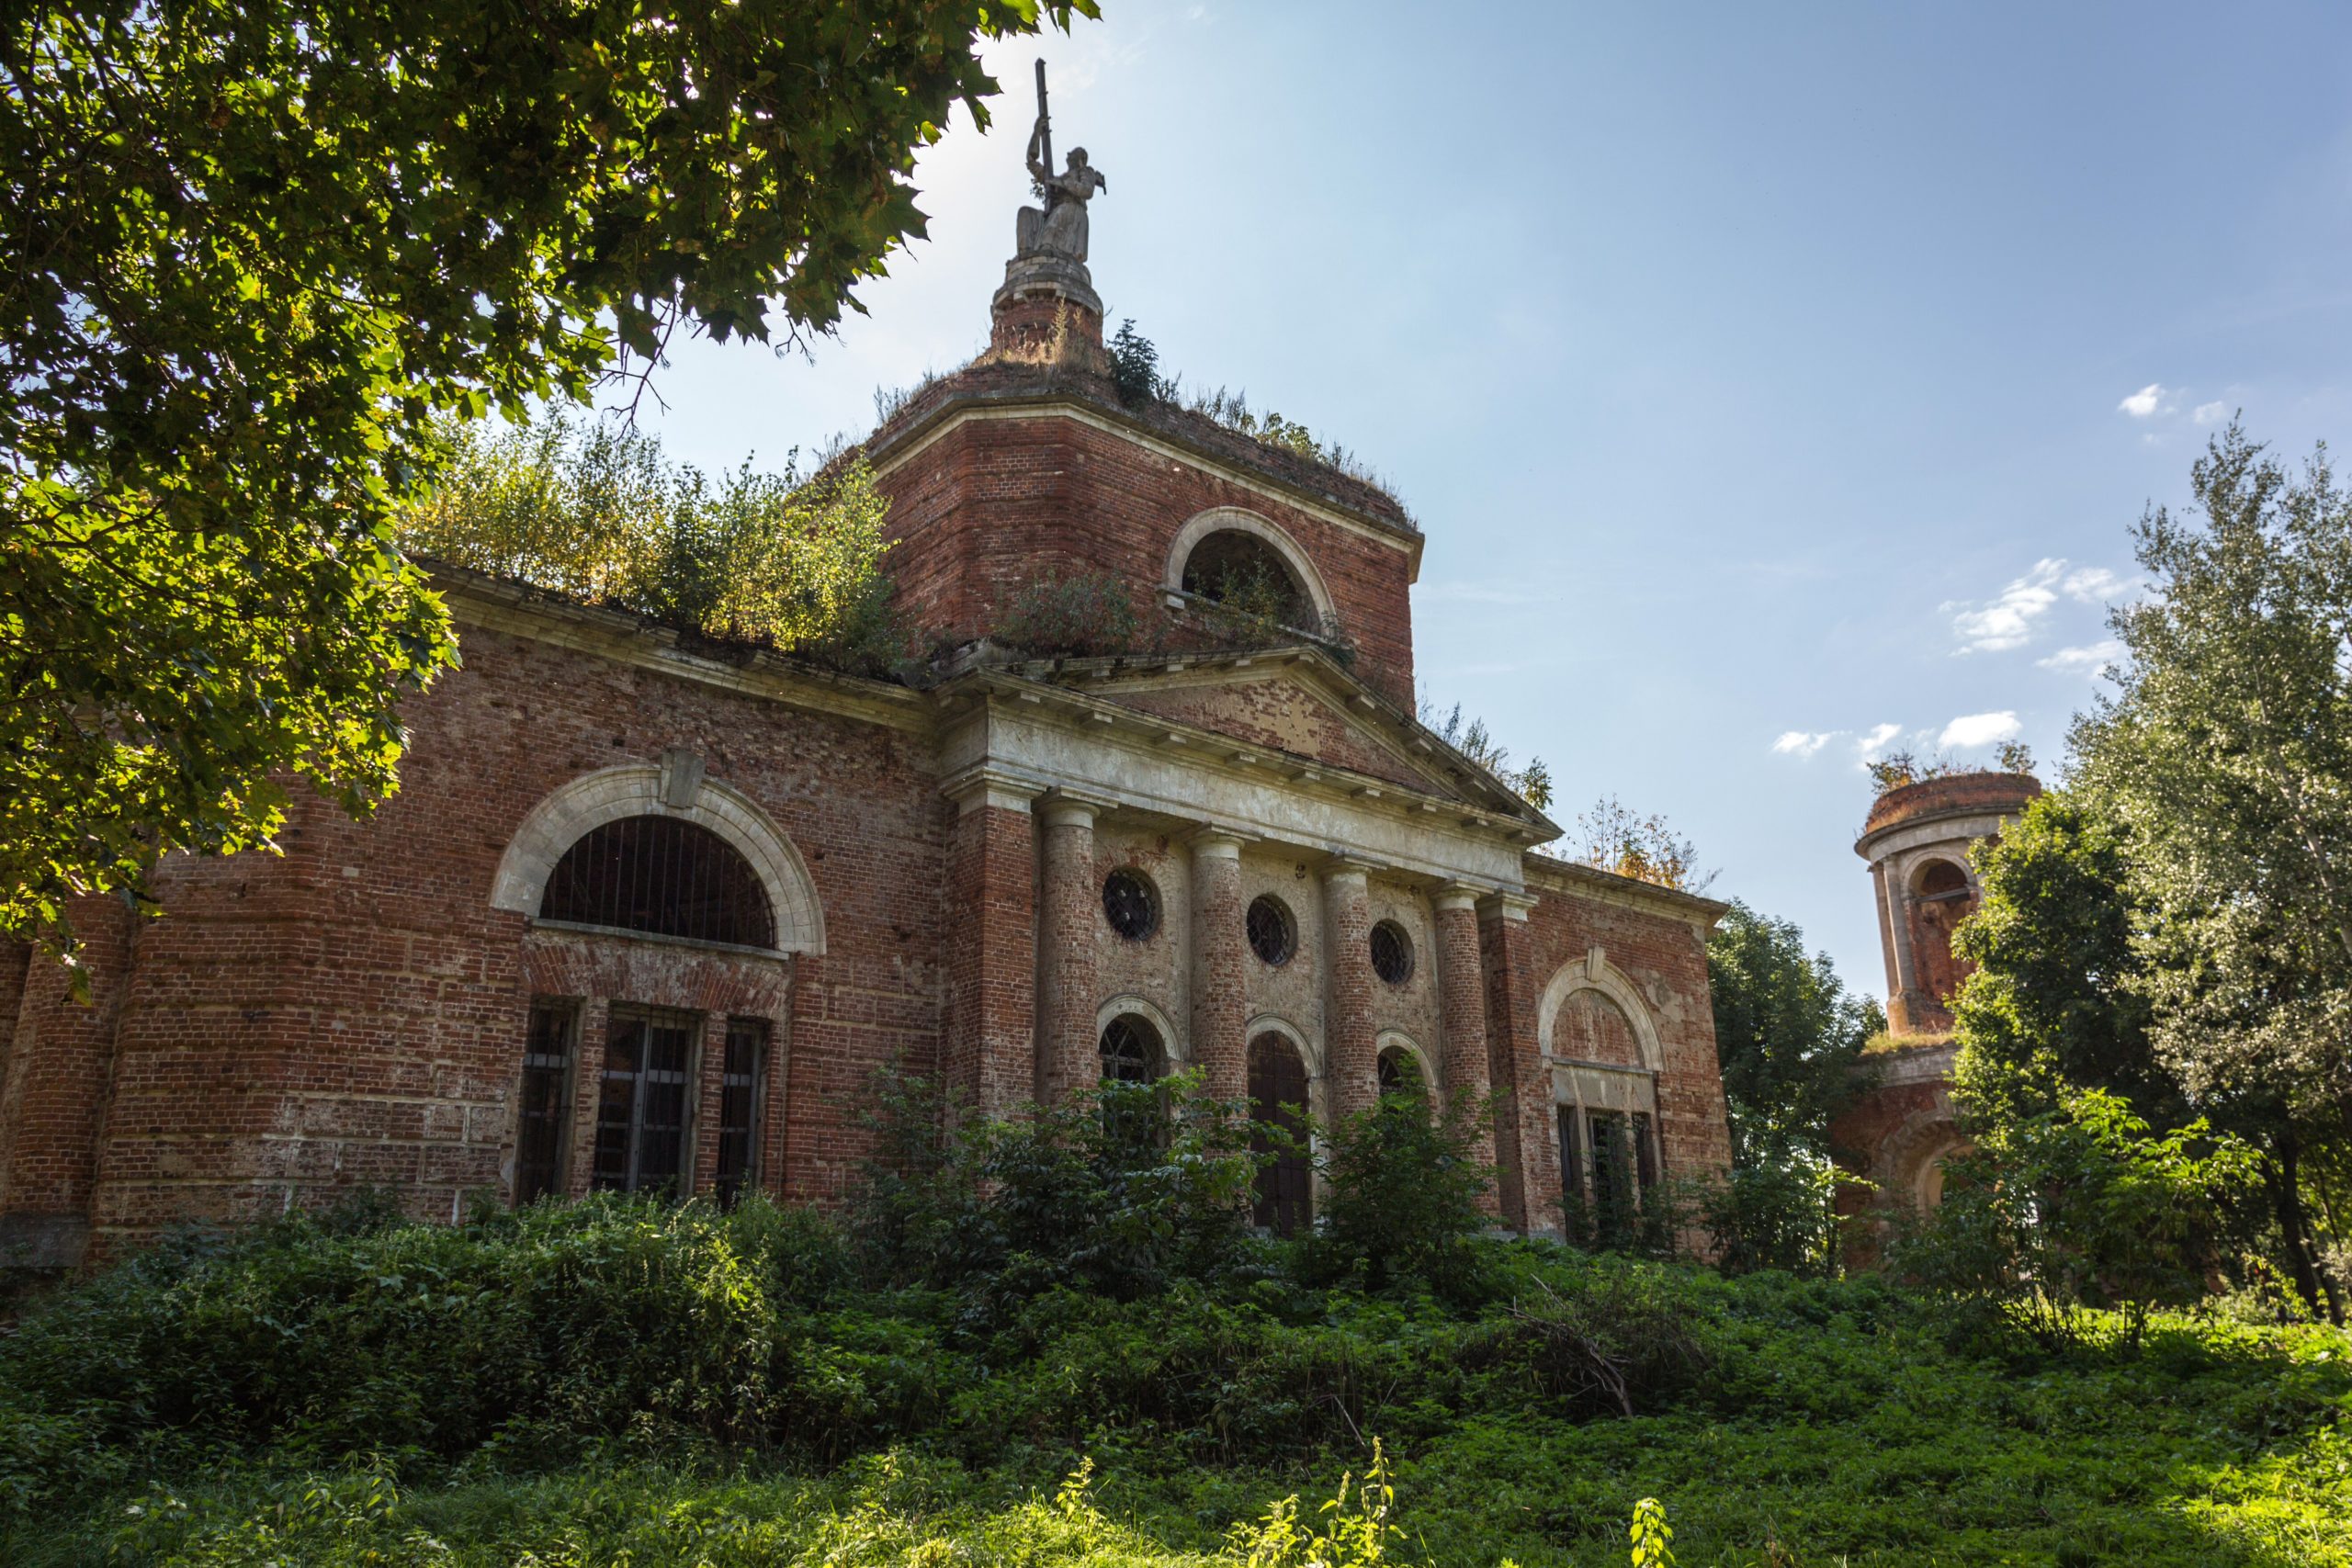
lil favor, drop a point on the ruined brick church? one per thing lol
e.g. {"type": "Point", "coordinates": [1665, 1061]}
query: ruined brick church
{"type": "Point", "coordinates": [644, 917]}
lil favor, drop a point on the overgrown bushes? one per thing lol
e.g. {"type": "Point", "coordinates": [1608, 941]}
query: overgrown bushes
{"type": "Point", "coordinates": [594, 512]}
{"type": "Point", "coordinates": [571, 1383]}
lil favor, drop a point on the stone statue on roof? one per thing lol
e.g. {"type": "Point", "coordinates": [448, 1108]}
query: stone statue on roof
{"type": "Point", "coordinates": [1059, 227]}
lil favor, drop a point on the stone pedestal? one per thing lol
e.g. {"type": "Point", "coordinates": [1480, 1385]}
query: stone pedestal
{"type": "Point", "coordinates": [1047, 312]}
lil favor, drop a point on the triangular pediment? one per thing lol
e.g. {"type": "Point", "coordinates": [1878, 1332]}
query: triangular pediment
{"type": "Point", "coordinates": [1296, 704]}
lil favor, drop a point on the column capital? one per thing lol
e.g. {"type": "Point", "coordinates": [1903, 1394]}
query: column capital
{"type": "Point", "coordinates": [1065, 809]}
{"type": "Point", "coordinates": [984, 785]}
{"type": "Point", "coordinates": [1342, 868]}
{"type": "Point", "coordinates": [1504, 906]}
{"type": "Point", "coordinates": [1210, 842]}
{"type": "Point", "coordinates": [1458, 896]}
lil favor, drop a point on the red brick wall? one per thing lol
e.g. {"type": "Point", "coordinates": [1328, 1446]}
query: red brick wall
{"type": "Point", "coordinates": [1666, 961]}
{"type": "Point", "coordinates": [992, 503]}
{"type": "Point", "coordinates": [353, 1012]}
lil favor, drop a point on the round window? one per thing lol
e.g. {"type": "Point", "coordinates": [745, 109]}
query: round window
{"type": "Point", "coordinates": [1392, 953]}
{"type": "Point", "coordinates": [1131, 904]}
{"type": "Point", "coordinates": [1272, 936]}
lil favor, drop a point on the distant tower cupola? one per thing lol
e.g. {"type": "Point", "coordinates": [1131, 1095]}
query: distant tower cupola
{"type": "Point", "coordinates": [1917, 842]}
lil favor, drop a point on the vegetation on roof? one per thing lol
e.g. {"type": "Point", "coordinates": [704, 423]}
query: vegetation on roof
{"type": "Point", "coordinates": [1135, 371]}
{"type": "Point", "coordinates": [1898, 769]}
{"type": "Point", "coordinates": [593, 511]}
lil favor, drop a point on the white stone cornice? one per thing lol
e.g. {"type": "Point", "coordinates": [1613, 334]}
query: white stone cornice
{"type": "Point", "coordinates": [1210, 842]}
{"type": "Point", "coordinates": [1504, 906]}
{"type": "Point", "coordinates": [985, 787]}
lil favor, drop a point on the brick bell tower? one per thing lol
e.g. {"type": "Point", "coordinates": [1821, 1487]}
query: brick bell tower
{"type": "Point", "coordinates": [1917, 839]}
{"type": "Point", "coordinates": [1917, 842]}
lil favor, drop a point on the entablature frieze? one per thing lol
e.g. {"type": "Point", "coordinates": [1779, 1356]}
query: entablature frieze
{"type": "Point", "coordinates": [1059, 750]}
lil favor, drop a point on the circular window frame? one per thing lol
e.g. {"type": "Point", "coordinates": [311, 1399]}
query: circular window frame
{"type": "Point", "coordinates": [1401, 941]}
{"type": "Point", "coordinates": [1149, 900]}
{"type": "Point", "coordinates": [1287, 929]}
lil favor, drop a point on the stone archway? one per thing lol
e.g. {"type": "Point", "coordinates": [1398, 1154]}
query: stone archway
{"type": "Point", "coordinates": [676, 789]}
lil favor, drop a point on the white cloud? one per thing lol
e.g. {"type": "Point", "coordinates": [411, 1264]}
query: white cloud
{"type": "Point", "coordinates": [1875, 738]}
{"type": "Point", "coordinates": [2094, 585]}
{"type": "Point", "coordinates": [1979, 729]}
{"type": "Point", "coordinates": [2210, 414]}
{"type": "Point", "coordinates": [2088, 659]}
{"type": "Point", "coordinates": [2012, 619]}
{"type": "Point", "coordinates": [1804, 742]}
{"type": "Point", "coordinates": [2007, 621]}
{"type": "Point", "coordinates": [2146, 402]}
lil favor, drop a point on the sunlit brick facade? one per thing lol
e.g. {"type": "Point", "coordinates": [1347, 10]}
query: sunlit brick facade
{"type": "Point", "coordinates": [493, 986]}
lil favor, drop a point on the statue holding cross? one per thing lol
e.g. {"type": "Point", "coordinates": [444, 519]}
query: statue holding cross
{"type": "Point", "coordinates": [1059, 227]}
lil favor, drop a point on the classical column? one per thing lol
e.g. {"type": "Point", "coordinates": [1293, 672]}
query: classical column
{"type": "Point", "coordinates": [1350, 1054]}
{"type": "Point", "coordinates": [1220, 1011]}
{"type": "Point", "coordinates": [1461, 1014]}
{"type": "Point", "coordinates": [1907, 999]}
{"type": "Point", "coordinates": [989, 1054]}
{"type": "Point", "coordinates": [1527, 1154]}
{"type": "Point", "coordinates": [1070, 907]}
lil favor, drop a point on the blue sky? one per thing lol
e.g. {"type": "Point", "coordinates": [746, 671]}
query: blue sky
{"type": "Point", "coordinates": [1769, 380]}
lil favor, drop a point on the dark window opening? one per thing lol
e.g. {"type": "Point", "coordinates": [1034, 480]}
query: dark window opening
{"type": "Point", "coordinates": [1131, 1055]}
{"type": "Point", "coordinates": [664, 875]}
{"type": "Point", "coordinates": [1272, 935]}
{"type": "Point", "coordinates": [1392, 953]}
{"type": "Point", "coordinates": [1645, 1151]}
{"type": "Point", "coordinates": [1612, 1171]}
{"type": "Point", "coordinates": [1243, 572]}
{"type": "Point", "coordinates": [641, 1111]}
{"type": "Point", "coordinates": [1131, 904]}
{"type": "Point", "coordinates": [741, 1078]}
{"type": "Point", "coordinates": [1400, 1072]}
{"type": "Point", "coordinates": [1284, 1189]}
{"type": "Point", "coordinates": [546, 1100]}
{"type": "Point", "coordinates": [1130, 1050]}
{"type": "Point", "coordinates": [1571, 1173]}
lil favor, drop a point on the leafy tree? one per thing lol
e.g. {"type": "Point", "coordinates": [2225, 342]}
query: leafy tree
{"type": "Point", "coordinates": [2084, 1205]}
{"type": "Point", "coordinates": [1790, 1040]}
{"type": "Point", "coordinates": [1616, 838]}
{"type": "Point", "coordinates": [259, 247]}
{"type": "Point", "coordinates": [2055, 1003]}
{"type": "Point", "coordinates": [1404, 1198]}
{"type": "Point", "coordinates": [2225, 760]}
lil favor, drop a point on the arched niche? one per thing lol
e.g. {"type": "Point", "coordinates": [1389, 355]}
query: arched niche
{"type": "Point", "coordinates": [1596, 974]}
{"type": "Point", "coordinates": [1234, 519]}
{"type": "Point", "coordinates": [674, 788]}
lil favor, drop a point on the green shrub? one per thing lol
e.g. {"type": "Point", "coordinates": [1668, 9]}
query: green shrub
{"type": "Point", "coordinates": [1406, 1198]}
{"type": "Point", "coordinates": [1083, 614]}
{"type": "Point", "coordinates": [1120, 1190]}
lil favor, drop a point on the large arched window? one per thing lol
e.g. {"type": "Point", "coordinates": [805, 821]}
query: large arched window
{"type": "Point", "coordinates": [1244, 573]}
{"type": "Point", "coordinates": [1284, 1182]}
{"type": "Point", "coordinates": [1944, 899]}
{"type": "Point", "coordinates": [663, 876]}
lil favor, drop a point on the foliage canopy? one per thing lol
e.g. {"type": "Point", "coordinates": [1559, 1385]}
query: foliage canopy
{"type": "Point", "coordinates": [260, 248]}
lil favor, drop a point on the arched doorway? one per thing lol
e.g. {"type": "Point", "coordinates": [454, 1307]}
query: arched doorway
{"type": "Point", "coordinates": [1278, 1129]}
